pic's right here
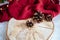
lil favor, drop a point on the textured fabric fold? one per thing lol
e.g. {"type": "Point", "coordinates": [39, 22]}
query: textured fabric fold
{"type": "Point", "coordinates": [23, 9]}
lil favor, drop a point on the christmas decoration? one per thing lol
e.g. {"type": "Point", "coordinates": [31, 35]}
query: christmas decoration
{"type": "Point", "coordinates": [48, 17]}
{"type": "Point", "coordinates": [22, 11]}
{"type": "Point", "coordinates": [29, 24]}
{"type": "Point", "coordinates": [38, 16]}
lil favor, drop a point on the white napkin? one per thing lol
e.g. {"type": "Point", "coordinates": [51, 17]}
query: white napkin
{"type": "Point", "coordinates": [55, 35]}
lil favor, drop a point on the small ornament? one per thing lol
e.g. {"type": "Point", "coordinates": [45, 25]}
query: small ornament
{"type": "Point", "coordinates": [38, 17]}
{"type": "Point", "coordinates": [48, 17]}
{"type": "Point", "coordinates": [29, 23]}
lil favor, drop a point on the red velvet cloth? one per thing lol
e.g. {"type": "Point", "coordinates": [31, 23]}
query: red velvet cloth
{"type": "Point", "coordinates": [23, 9]}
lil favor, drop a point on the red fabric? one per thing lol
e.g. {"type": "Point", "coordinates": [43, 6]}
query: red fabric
{"type": "Point", "coordinates": [48, 7]}
{"type": "Point", "coordinates": [23, 9]}
{"type": "Point", "coordinates": [56, 1]}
